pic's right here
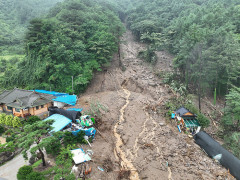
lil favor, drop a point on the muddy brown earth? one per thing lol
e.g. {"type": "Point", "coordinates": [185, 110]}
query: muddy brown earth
{"type": "Point", "coordinates": [137, 141]}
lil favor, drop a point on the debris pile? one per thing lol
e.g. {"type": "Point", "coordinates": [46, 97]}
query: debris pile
{"type": "Point", "coordinates": [186, 121]}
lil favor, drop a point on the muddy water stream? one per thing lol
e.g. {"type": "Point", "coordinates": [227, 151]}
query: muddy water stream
{"type": "Point", "coordinates": [119, 153]}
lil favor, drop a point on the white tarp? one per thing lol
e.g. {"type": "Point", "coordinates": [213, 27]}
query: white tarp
{"type": "Point", "coordinates": [79, 156]}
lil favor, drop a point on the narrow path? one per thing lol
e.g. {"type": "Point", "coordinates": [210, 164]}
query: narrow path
{"type": "Point", "coordinates": [125, 163]}
{"type": "Point", "coordinates": [10, 169]}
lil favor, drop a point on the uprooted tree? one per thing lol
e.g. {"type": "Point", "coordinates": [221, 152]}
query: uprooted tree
{"type": "Point", "coordinates": [36, 133]}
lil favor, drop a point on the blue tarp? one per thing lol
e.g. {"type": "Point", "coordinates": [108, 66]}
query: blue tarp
{"type": "Point", "coordinates": [50, 92]}
{"type": "Point", "coordinates": [68, 99]}
{"type": "Point", "coordinates": [88, 132]}
{"type": "Point", "coordinates": [75, 109]}
{"type": "Point", "coordinates": [61, 97]}
{"type": "Point", "coordinates": [60, 122]}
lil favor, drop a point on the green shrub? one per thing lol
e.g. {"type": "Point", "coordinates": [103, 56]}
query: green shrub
{"type": "Point", "coordinates": [23, 172]}
{"type": "Point", "coordinates": [148, 55]}
{"type": "Point", "coordinates": [203, 120]}
{"type": "Point", "coordinates": [10, 138]}
{"type": "Point", "coordinates": [70, 139]}
{"type": "Point", "coordinates": [54, 147]}
{"type": "Point", "coordinates": [37, 163]}
{"type": "Point", "coordinates": [33, 119]}
{"type": "Point", "coordinates": [1, 130]}
{"type": "Point", "coordinates": [35, 176]}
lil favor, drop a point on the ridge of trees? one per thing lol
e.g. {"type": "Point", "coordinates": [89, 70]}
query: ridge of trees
{"type": "Point", "coordinates": [204, 36]}
{"type": "Point", "coordinates": [76, 38]}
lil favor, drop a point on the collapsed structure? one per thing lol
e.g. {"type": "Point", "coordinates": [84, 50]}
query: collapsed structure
{"type": "Point", "coordinates": [71, 121]}
{"type": "Point", "coordinates": [185, 120]}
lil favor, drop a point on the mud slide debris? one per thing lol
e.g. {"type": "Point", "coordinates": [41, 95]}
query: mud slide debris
{"type": "Point", "coordinates": [119, 153]}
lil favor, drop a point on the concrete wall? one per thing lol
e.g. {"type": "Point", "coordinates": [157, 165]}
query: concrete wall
{"type": "Point", "coordinates": [58, 104]}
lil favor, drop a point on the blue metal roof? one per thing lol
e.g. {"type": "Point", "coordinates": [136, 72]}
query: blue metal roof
{"type": "Point", "coordinates": [60, 122]}
{"type": "Point", "coordinates": [68, 99]}
{"type": "Point", "coordinates": [50, 92]}
{"type": "Point", "coordinates": [61, 97]}
{"type": "Point", "coordinates": [75, 109]}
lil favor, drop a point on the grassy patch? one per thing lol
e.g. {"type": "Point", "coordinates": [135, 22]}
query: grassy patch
{"type": "Point", "coordinates": [37, 163]}
{"type": "Point", "coordinates": [8, 57]}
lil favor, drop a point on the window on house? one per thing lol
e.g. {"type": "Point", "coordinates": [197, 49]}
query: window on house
{"type": "Point", "coordinates": [37, 107]}
{"type": "Point", "coordinates": [42, 106]}
{"type": "Point", "coordinates": [9, 108]}
{"type": "Point", "coordinates": [17, 109]}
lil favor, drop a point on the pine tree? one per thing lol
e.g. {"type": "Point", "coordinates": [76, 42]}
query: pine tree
{"type": "Point", "coordinates": [36, 133]}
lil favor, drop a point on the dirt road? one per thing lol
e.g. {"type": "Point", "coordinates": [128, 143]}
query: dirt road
{"type": "Point", "coordinates": [141, 144]}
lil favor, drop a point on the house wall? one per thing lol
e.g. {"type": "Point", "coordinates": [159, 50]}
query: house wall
{"type": "Point", "coordinates": [41, 110]}
{"type": "Point", "coordinates": [32, 110]}
{"type": "Point", "coordinates": [5, 108]}
{"type": "Point", "coordinates": [59, 104]}
{"type": "Point", "coordinates": [19, 114]}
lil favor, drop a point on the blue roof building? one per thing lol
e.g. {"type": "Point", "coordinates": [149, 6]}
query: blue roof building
{"type": "Point", "coordinates": [60, 97]}
{"type": "Point", "coordinates": [60, 122]}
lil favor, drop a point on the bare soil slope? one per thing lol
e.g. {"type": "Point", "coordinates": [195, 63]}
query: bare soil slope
{"type": "Point", "coordinates": [138, 143]}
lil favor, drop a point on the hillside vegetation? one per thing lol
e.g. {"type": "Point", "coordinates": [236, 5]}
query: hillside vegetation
{"type": "Point", "coordinates": [14, 18]}
{"type": "Point", "coordinates": [76, 38]}
{"type": "Point", "coordinates": [204, 36]}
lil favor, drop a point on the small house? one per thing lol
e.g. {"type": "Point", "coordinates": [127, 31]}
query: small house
{"type": "Point", "coordinates": [23, 103]}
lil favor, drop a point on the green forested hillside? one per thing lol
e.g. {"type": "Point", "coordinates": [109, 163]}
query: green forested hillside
{"type": "Point", "coordinates": [14, 18]}
{"type": "Point", "coordinates": [76, 38]}
{"type": "Point", "coordinates": [204, 36]}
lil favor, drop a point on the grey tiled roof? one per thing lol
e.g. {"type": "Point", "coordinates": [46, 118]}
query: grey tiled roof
{"type": "Point", "coordinates": [19, 98]}
{"type": "Point", "coordinates": [14, 94]}
{"type": "Point", "coordinates": [4, 93]}
{"type": "Point", "coordinates": [182, 110]}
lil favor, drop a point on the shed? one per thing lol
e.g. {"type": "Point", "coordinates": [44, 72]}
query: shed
{"type": "Point", "coordinates": [61, 98]}
{"type": "Point", "coordinates": [67, 99]}
{"type": "Point", "coordinates": [60, 122]}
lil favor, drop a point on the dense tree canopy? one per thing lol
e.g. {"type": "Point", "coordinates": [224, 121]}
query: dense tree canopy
{"type": "Point", "coordinates": [76, 38]}
{"type": "Point", "coordinates": [231, 121]}
{"type": "Point", "coordinates": [14, 17]}
{"type": "Point", "coordinates": [202, 34]}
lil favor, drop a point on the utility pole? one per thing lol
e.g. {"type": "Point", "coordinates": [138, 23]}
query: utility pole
{"type": "Point", "coordinates": [72, 85]}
